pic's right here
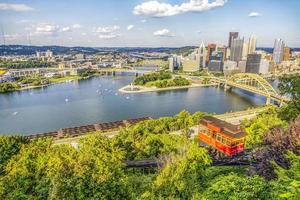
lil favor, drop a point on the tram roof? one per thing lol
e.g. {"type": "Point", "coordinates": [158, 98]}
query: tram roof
{"type": "Point", "coordinates": [227, 128]}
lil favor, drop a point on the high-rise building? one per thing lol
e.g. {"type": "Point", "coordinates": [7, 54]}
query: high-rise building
{"type": "Point", "coordinates": [278, 51]}
{"type": "Point", "coordinates": [210, 49]}
{"type": "Point", "coordinates": [201, 56]}
{"type": "Point", "coordinates": [252, 44]}
{"type": "Point", "coordinates": [232, 36]}
{"type": "Point", "coordinates": [174, 63]}
{"type": "Point", "coordinates": [255, 64]}
{"type": "Point", "coordinates": [222, 51]}
{"type": "Point", "coordinates": [171, 64]}
{"type": "Point", "coordinates": [286, 53]}
{"type": "Point", "coordinates": [245, 50]}
{"type": "Point", "coordinates": [215, 66]}
{"type": "Point", "coordinates": [236, 51]}
{"type": "Point", "coordinates": [48, 54]}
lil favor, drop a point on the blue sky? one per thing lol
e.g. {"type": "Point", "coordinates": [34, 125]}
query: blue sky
{"type": "Point", "coordinates": [140, 23]}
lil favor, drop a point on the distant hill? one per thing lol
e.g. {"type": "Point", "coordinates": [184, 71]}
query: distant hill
{"type": "Point", "coordinates": [30, 50]}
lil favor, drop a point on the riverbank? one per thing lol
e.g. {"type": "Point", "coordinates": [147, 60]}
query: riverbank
{"type": "Point", "coordinates": [142, 89]}
{"type": "Point", "coordinates": [52, 81]}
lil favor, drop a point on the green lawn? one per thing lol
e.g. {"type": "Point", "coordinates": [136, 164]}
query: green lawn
{"type": "Point", "coordinates": [65, 78]}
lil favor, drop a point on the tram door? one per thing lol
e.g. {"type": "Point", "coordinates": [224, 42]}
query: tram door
{"type": "Point", "coordinates": [213, 138]}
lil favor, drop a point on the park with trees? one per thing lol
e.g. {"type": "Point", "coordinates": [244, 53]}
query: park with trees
{"type": "Point", "coordinates": [160, 79]}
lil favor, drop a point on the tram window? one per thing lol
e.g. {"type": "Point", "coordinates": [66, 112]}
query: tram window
{"type": "Point", "coordinates": [219, 138]}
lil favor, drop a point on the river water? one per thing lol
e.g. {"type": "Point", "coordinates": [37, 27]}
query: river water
{"type": "Point", "coordinates": [98, 100]}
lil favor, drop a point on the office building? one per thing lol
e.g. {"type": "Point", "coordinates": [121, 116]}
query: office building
{"type": "Point", "coordinates": [286, 53]}
{"type": "Point", "coordinates": [171, 64]}
{"type": "Point", "coordinates": [201, 56]}
{"type": "Point", "coordinates": [230, 68]}
{"type": "Point", "coordinates": [232, 36]}
{"type": "Point", "coordinates": [223, 52]}
{"type": "Point", "coordinates": [215, 66]}
{"type": "Point", "coordinates": [278, 51]}
{"type": "Point", "coordinates": [253, 63]}
{"type": "Point", "coordinates": [252, 44]}
{"type": "Point", "coordinates": [49, 54]}
{"type": "Point", "coordinates": [256, 64]}
{"type": "Point", "coordinates": [264, 66]}
{"type": "Point", "coordinates": [189, 65]}
{"type": "Point", "coordinates": [80, 56]}
{"type": "Point", "coordinates": [245, 50]}
{"type": "Point", "coordinates": [210, 49]}
{"type": "Point", "coordinates": [242, 65]}
{"type": "Point", "coordinates": [236, 51]}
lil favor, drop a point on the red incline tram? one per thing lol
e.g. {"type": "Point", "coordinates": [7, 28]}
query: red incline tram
{"type": "Point", "coordinates": [223, 136]}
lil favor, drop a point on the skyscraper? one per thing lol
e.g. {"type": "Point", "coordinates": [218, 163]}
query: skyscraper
{"type": "Point", "coordinates": [236, 52]}
{"type": "Point", "coordinates": [210, 49]}
{"type": "Point", "coordinates": [201, 56]}
{"type": "Point", "coordinates": [252, 44]}
{"type": "Point", "coordinates": [286, 54]}
{"type": "Point", "coordinates": [232, 36]}
{"type": "Point", "coordinates": [245, 50]}
{"type": "Point", "coordinates": [253, 63]}
{"type": "Point", "coordinates": [278, 51]}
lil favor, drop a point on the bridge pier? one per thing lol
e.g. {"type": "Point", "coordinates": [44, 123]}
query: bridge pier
{"type": "Point", "coordinates": [268, 102]}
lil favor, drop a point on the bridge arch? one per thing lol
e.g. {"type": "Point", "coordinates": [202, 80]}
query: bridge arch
{"type": "Point", "coordinates": [253, 80]}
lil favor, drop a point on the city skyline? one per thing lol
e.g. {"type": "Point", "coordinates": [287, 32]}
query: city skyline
{"type": "Point", "coordinates": [147, 23]}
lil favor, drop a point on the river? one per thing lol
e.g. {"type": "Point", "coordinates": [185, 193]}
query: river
{"type": "Point", "coordinates": [98, 100]}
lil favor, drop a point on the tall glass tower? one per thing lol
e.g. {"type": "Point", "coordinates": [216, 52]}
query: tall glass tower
{"type": "Point", "coordinates": [278, 51]}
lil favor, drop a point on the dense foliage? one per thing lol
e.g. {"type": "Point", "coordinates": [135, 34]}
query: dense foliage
{"type": "Point", "coordinates": [276, 144]}
{"type": "Point", "coordinates": [35, 80]}
{"type": "Point", "coordinates": [178, 81]}
{"type": "Point", "coordinates": [256, 128]}
{"type": "Point", "coordinates": [142, 80]}
{"type": "Point", "coordinates": [290, 85]}
{"type": "Point", "coordinates": [24, 64]}
{"type": "Point", "coordinates": [86, 73]}
{"type": "Point", "coordinates": [160, 80]}
{"type": "Point", "coordinates": [9, 87]}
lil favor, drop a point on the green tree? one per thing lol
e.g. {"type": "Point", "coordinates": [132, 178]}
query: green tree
{"type": "Point", "coordinates": [236, 187]}
{"type": "Point", "coordinates": [25, 174]}
{"type": "Point", "coordinates": [287, 185]}
{"type": "Point", "coordinates": [182, 175]}
{"type": "Point", "coordinates": [256, 128]}
{"type": "Point", "coordinates": [9, 146]}
{"type": "Point", "coordinates": [290, 85]}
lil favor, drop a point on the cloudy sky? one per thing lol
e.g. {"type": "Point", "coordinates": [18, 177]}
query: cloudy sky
{"type": "Point", "coordinates": [153, 23]}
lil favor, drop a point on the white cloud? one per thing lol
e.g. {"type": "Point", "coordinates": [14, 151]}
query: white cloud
{"type": "Point", "coordinates": [24, 21]}
{"type": "Point", "coordinates": [129, 27]}
{"type": "Point", "coordinates": [66, 29]}
{"type": "Point", "coordinates": [254, 14]}
{"type": "Point", "coordinates": [107, 29]}
{"type": "Point", "coordinates": [84, 33]}
{"type": "Point", "coordinates": [110, 36]}
{"type": "Point", "coordinates": [107, 32]}
{"type": "Point", "coordinates": [76, 26]}
{"type": "Point", "coordinates": [157, 9]}
{"type": "Point", "coordinates": [15, 7]}
{"type": "Point", "coordinates": [163, 33]}
{"type": "Point", "coordinates": [47, 29]}
{"type": "Point", "coordinates": [143, 21]}
{"type": "Point", "coordinates": [12, 37]}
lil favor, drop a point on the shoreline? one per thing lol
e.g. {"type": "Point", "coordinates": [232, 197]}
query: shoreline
{"type": "Point", "coordinates": [143, 89]}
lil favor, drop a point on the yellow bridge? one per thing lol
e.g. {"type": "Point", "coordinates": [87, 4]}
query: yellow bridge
{"type": "Point", "coordinates": [252, 83]}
